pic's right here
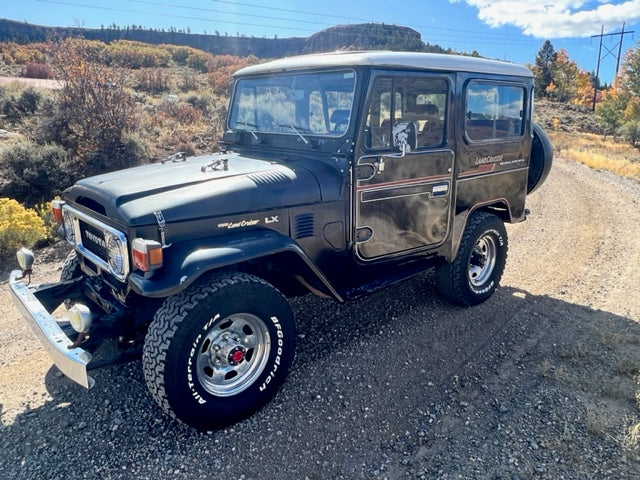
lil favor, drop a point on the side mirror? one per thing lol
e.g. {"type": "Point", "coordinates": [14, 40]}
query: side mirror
{"type": "Point", "coordinates": [405, 137]}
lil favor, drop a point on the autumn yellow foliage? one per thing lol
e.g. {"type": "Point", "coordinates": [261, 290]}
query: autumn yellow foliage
{"type": "Point", "coordinates": [19, 226]}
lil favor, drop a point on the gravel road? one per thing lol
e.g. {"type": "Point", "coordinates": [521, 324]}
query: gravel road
{"type": "Point", "coordinates": [538, 382]}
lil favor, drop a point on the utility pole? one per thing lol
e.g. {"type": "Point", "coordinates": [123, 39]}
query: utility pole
{"type": "Point", "coordinates": [609, 51]}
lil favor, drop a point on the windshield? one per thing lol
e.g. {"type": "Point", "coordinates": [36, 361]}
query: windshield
{"type": "Point", "coordinates": [316, 103]}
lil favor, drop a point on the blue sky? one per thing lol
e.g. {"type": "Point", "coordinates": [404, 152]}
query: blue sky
{"type": "Point", "coordinates": [512, 30]}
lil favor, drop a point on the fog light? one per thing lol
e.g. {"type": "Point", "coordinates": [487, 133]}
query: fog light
{"type": "Point", "coordinates": [25, 259]}
{"type": "Point", "coordinates": [80, 317]}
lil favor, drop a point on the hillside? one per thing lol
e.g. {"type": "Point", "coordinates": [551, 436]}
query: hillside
{"type": "Point", "coordinates": [565, 117]}
{"type": "Point", "coordinates": [364, 36]}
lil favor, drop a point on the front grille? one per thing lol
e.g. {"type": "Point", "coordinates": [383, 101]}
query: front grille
{"type": "Point", "coordinates": [93, 240]}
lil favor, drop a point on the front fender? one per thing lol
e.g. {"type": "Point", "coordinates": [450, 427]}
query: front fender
{"type": "Point", "coordinates": [185, 262]}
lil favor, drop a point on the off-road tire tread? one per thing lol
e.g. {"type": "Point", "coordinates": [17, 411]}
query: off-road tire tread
{"type": "Point", "coordinates": [167, 321]}
{"type": "Point", "coordinates": [451, 278]}
{"type": "Point", "coordinates": [70, 270]}
{"type": "Point", "coordinates": [71, 267]}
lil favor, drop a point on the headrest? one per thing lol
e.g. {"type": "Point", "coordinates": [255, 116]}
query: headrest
{"type": "Point", "coordinates": [339, 116]}
{"type": "Point", "coordinates": [426, 109]}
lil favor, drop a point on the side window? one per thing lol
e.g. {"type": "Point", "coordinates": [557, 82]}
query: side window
{"type": "Point", "coordinates": [418, 99]}
{"type": "Point", "coordinates": [493, 111]}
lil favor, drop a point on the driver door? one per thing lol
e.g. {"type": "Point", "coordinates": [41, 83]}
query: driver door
{"type": "Point", "coordinates": [403, 198]}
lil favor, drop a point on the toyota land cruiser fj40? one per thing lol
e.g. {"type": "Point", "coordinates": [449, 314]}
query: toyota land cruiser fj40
{"type": "Point", "coordinates": [339, 174]}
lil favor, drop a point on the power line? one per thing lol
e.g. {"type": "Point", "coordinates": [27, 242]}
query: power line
{"type": "Point", "coordinates": [430, 28]}
{"type": "Point", "coordinates": [432, 36]}
{"type": "Point", "coordinates": [210, 10]}
{"type": "Point", "coordinates": [186, 17]}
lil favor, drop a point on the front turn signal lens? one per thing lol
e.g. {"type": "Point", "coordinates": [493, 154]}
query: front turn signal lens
{"type": "Point", "coordinates": [146, 254]}
{"type": "Point", "coordinates": [56, 209]}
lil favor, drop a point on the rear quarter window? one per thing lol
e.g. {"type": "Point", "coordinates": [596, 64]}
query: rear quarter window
{"type": "Point", "coordinates": [493, 111]}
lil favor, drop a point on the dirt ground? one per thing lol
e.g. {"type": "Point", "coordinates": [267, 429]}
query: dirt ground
{"type": "Point", "coordinates": [538, 382]}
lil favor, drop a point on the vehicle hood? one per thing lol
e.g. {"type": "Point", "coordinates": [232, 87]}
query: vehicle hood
{"type": "Point", "coordinates": [196, 187]}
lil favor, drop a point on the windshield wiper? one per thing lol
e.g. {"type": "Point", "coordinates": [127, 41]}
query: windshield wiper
{"type": "Point", "coordinates": [297, 129]}
{"type": "Point", "coordinates": [253, 128]}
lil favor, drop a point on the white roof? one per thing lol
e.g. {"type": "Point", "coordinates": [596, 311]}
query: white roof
{"type": "Point", "coordinates": [412, 60]}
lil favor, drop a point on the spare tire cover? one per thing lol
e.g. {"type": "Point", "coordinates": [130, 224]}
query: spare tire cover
{"type": "Point", "coordinates": [540, 160]}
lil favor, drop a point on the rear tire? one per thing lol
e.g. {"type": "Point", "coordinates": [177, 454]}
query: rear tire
{"type": "Point", "coordinates": [219, 350]}
{"type": "Point", "coordinates": [475, 273]}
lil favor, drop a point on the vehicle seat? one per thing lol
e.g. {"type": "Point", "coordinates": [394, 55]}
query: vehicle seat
{"type": "Point", "coordinates": [432, 131]}
{"type": "Point", "coordinates": [340, 120]}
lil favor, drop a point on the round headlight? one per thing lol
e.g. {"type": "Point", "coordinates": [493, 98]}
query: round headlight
{"type": "Point", "coordinates": [114, 254]}
{"type": "Point", "coordinates": [67, 223]}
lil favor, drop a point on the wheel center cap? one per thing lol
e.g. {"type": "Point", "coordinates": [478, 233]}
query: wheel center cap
{"type": "Point", "coordinates": [236, 355]}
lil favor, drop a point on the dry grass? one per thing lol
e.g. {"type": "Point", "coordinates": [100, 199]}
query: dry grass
{"type": "Point", "coordinates": [632, 439]}
{"type": "Point", "coordinates": [598, 152]}
{"type": "Point", "coordinates": [595, 421]}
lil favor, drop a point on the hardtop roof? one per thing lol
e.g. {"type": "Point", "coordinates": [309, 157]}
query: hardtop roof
{"type": "Point", "coordinates": [386, 59]}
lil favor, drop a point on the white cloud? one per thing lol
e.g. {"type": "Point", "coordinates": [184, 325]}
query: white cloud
{"type": "Point", "coordinates": [557, 19]}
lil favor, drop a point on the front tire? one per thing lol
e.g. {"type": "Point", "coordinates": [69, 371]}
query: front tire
{"type": "Point", "coordinates": [71, 269]}
{"type": "Point", "coordinates": [219, 351]}
{"type": "Point", "coordinates": [475, 273]}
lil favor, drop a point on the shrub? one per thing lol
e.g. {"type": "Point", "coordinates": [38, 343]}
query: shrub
{"type": "Point", "coordinates": [130, 54]}
{"type": "Point", "coordinates": [19, 226]}
{"type": "Point", "coordinates": [222, 68]}
{"type": "Point", "coordinates": [178, 53]}
{"type": "Point", "coordinates": [630, 131]}
{"type": "Point", "coordinates": [15, 54]}
{"type": "Point", "coordinates": [199, 61]}
{"type": "Point", "coordinates": [189, 81]}
{"type": "Point", "coordinates": [29, 101]}
{"type": "Point", "coordinates": [15, 108]}
{"type": "Point", "coordinates": [51, 225]}
{"type": "Point", "coordinates": [126, 151]}
{"type": "Point", "coordinates": [203, 102]}
{"type": "Point", "coordinates": [95, 113]}
{"type": "Point", "coordinates": [31, 173]}
{"type": "Point", "coordinates": [181, 112]}
{"type": "Point", "coordinates": [37, 70]}
{"type": "Point", "coordinates": [153, 80]}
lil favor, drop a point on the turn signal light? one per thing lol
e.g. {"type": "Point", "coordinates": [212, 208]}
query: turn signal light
{"type": "Point", "coordinates": [146, 254]}
{"type": "Point", "coordinates": [56, 209]}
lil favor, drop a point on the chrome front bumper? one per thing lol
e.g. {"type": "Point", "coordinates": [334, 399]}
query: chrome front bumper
{"type": "Point", "coordinates": [71, 361]}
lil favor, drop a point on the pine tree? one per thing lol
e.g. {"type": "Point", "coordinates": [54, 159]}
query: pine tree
{"type": "Point", "coordinates": [544, 66]}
